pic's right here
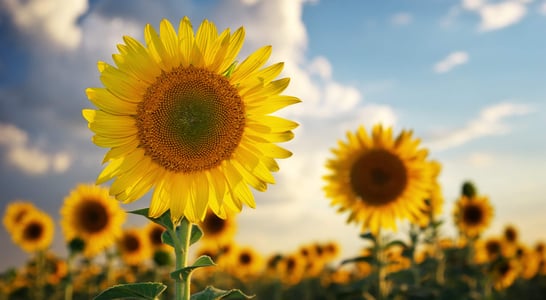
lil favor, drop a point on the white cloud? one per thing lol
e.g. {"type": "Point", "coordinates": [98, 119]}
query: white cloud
{"type": "Point", "coordinates": [480, 159]}
{"type": "Point", "coordinates": [320, 66]}
{"type": "Point", "coordinates": [497, 15]}
{"type": "Point", "coordinates": [489, 122]}
{"type": "Point", "coordinates": [401, 19]}
{"type": "Point", "coordinates": [369, 115]}
{"type": "Point", "coordinates": [28, 158]}
{"type": "Point", "coordinates": [452, 60]}
{"type": "Point", "coordinates": [54, 19]}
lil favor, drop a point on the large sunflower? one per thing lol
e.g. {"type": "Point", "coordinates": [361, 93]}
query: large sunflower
{"type": "Point", "coordinates": [472, 215]}
{"type": "Point", "coordinates": [90, 214]}
{"type": "Point", "coordinates": [181, 117]}
{"type": "Point", "coordinates": [380, 179]}
{"type": "Point", "coordinates": [35, 231]}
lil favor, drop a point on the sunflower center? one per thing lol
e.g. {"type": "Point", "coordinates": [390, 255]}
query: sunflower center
{"type": "Point", "coordinates": [92, 216]}
{"type": "Point", "coordinates": [245, 258]}
{"type": "Point", "coordinates": [131, 243]}
{"type": "Point", "coordinates": [214, 225]}
{"type": "Point", "coordinates": [33, 231]}
{"type": "Point", "coordinates": [190, 120]}
{"type": "Point", "coordinates": [155, 236]}
{"type": "Point", "coordinates": [473, 215]}
{"type": "Point", "coordinates": [378, 177]}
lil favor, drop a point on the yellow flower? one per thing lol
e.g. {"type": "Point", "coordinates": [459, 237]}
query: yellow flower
{"type": "Point", "coordinates": [472, 215]}
{"type": "Point", "coordinates": [134, 247]}
{"type": "Point", "coordinates": [247, 262]}
{"type": "Point", "coordinates": [292, 268]}
{"type": "Point", "coordinates": [153, 232]}
{"type": "Point", "coordinates": [218, 230]}
{"type": "Point", "coordinates": [182, 118]}
{"type": "Point", "coordinates": [15, 211]}
{"type": "Point", "coordinates": [89, 213]}
{"type": "Point", "coordinates": [35, 232]}
{"type": "Point", "coordinates": [503, 273]}
{"type": "Point", "coordinates": [379, 179]}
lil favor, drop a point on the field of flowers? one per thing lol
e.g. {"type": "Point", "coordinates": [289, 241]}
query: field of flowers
{"type": "Point", "coordinates": [183, 120]}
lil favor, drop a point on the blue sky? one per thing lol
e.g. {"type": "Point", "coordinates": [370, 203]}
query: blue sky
{"type": "Point", "coordinates": [466, 76]}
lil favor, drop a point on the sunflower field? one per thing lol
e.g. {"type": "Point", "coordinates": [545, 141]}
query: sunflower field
{"type": "Point", "coordinates": [187, 123]}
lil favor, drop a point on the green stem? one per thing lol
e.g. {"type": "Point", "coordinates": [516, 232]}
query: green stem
{"type": "Point", "coordinates": [181, 243]}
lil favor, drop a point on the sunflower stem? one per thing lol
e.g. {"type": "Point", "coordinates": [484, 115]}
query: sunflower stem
{"type": "Point", "coordinates": [181, 247]}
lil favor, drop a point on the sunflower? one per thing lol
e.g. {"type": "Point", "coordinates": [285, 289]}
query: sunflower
{"type": "Point", "coordinates": [247, 262]}
{"type": "Point", "coordinates": [472, 215]}
{"type": "Point", "coordinates": [218, 230]}
{"type": "Point", "coordinates": [15, 211]}
{"type": "Point", "coordinates": [35, 231]}
{"type": "Point", "coordinates": [292, 268]}
{"type": "Point", "coordinates": [182, 118]}
{"type": "Point", "coordinates": [153, 232]}
{"type": "Point", "coordinates": [379, 179]}
{"type": "Point", "coordinates": [133, 246]}
{"type": "Point", "coordinates": [503, 273]}
{"type": "Point", "coordinates": [90, 214]}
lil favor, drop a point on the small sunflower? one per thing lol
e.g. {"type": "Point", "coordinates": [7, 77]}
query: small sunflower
{"type": "Point", "coordinates": [35, 232]}
{"type": "Point", "coordinates": [134, 247]}
{"type": "Point", "coordinates": [247, 262]}
{"type": "Point", "coordinates": [218, 230]}
{"type": "Point", "coordinates": [153, 232]}
{"type": "Point", "coordinates": [472, 215]}
{"type": "Point", "coordinates": [15, 211]}
{"type": "Point", "coordinates": [90, 214]}
{"type": "Point", "coordinates": [504, 272]}
{"type": "Point", "coordinates": [379, 179]}
{"type": "Point", "coordinates": [182, 118]}
{"type": "Point", "coordinates": [292, 268]}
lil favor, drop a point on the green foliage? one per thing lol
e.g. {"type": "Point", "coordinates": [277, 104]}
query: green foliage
{"type": "Point", "coordinates": [202, 261]}
{"type": "Point", "coordinates": [142, 290]}
{"type": "Point", "coordinates": [212, 293]}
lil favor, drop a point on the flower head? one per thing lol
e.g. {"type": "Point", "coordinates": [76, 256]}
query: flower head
{"type": "Point", "coordinates": [380, 179]}
{"type": "Point", "coordinates": [35, 232]}
{"type": "Point", "coordinates": [472, 215]}
{"type": "Point", "coordinates": [90, 214]}
{"type": "Point", "coordinates": [182, 118]}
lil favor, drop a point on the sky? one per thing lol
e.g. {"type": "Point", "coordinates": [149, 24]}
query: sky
{"type": "Point", "coordinates": [467, 76]}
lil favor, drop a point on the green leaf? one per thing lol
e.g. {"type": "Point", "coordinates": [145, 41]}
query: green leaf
{"type": "Point", "coordinates": [368, 259]}
{"type": "Point", "coordinates": [163, 220]}
{"type": "Point", "coordinates": [396, 243]}
{"type": "Point", "coordinates": [368, 236]}
{"type": "Point", "coordinates": [202, 261]}
{"type": "Point", "coordinates": [166, 238]}
{"type": "Point", "coordinates": [141, 290]}
{"type": "Point", "coordinates": [212, 293]}
{"type": "Point", "coordinates": [196, 234]}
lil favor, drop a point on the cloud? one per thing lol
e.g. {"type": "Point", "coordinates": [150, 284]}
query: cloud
{"type": "Point", "coordinates": [54, 20]}
{"type": "Point", "coordinates": [497, 15]}
{"type": "Point", "coordinates": [28, 158]}
{"type": "Point", "coordinates": [452, 60]}
{"type": "Point", "coordinates": [488, 123]}
{"type": "Point", "coordinates": [401, 19]}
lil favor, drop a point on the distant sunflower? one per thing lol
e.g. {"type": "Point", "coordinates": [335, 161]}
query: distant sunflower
{"type": "Point", "coordinates": [15, 211]}
{"type": "Point", "coordinates": [379, 179]}
{"type": "Point", "coordinates": [182, 118]}
{"type": "Point", "coordinates": [133, 246]}
{"type": "Point", "coordinates": [218, 230]}
{"type": "Point", "coordinates": [247, 262]}
{"type": "Point", "coordinates": [503, 273]}
{"type": "Point", "coordinates": [90, 214]}
{"type": "Point", "coordinates": [292, 268]}
{"type": "Point", "coordinates": [153, 232]}
{"type": "Point", "coordinates": [435, 200]}
{"type": "Point", "coordinates": [472, 215]}
{"type": "Point", "coordinates": [35, 232]}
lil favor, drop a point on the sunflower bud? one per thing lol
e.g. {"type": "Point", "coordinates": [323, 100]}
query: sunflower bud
{"type": "Point", "coordinates": [469, 189]}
